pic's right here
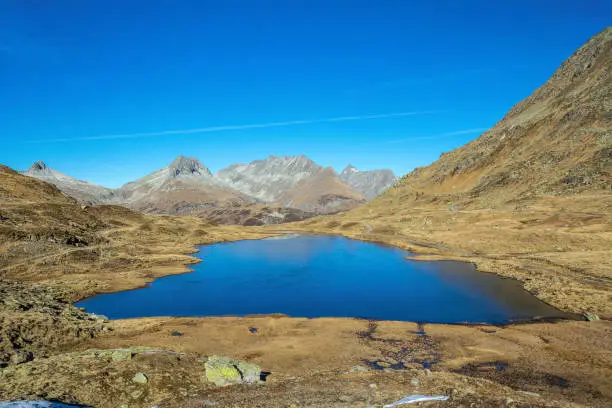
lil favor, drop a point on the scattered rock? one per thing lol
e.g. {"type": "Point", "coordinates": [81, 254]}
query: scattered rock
{"type": "Point", "coordinates": [176, 334]}
{"type": "Point", "coordinates": [253, 329]}
{"type": "Point", "coordinates": [345, 398]}
{"type": "Point", "coordinates": [140, 378]}
{"type": "Point", "coordinates": [415, 382]}
{"type": "Point", "coordinates": [373, 386]}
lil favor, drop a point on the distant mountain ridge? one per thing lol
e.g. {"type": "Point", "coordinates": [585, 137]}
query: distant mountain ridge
{"type": "Point", "coordinates": [186, 186]}
{"type": "Point", "coordinates": [79, 189]}
{"type": "Point", "coordinates": [370, 183]}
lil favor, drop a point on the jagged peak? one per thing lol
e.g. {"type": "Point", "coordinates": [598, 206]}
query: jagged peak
{"type": "Point", "coordinates": [350, 169]}
{"type": "Point", "coordinates": [38, 166]}
{"type": "Point", "coordinates": [186, 166]}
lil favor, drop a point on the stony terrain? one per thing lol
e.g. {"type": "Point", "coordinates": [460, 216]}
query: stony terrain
{"type": "Point", "coordinates": [295, 187]}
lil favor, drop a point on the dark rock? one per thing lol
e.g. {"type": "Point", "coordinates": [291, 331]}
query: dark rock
{"type": "Point", "coordinates": [21, 356]}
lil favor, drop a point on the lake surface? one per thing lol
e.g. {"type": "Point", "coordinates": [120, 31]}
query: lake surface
{"type": "Point", "coordinates": [315, 276]}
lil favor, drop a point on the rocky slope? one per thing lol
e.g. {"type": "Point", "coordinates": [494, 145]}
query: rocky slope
{"type": "Point", "coordinates": [268, 179]}
{"type": "Point", "coordinates": [369, 183]}
{"type": "Point", "coordinates": [557, 142]}
{"type": "Point", "coordinates": [292, 181]}
{"type": "Point", "coordinates": [81, 190]}
{"type": "Point", "coordinates": [182, 186]}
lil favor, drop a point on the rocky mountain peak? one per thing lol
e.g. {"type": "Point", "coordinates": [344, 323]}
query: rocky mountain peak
{"type": "Point", "coordinates": [38, 166]}
{"type": "Point", "coordinates": [187, 166]}
{"type": "Point", "coordinates": [350, 169]}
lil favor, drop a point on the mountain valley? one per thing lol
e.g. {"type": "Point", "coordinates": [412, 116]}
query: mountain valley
{"type": "Point", "coordinates": [529, 200]}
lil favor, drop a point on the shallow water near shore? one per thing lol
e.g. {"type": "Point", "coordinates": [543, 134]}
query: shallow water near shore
{"type": "Point", "coordinates": [327, 276]}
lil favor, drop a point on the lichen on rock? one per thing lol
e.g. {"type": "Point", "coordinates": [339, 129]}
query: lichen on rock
{"type": "Point", "coordinates": [225, 371]}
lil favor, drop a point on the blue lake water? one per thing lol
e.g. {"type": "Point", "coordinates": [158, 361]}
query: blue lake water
{"type": "Point", "coordinates": [315, 276]}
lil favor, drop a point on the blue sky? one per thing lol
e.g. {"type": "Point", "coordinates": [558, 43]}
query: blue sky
{"type": "Point", "coordinates": [402, 81]}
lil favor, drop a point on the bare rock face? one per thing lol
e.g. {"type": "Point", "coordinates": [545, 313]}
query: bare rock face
{"type": "Point", "coordinates": [369, 183]}
{"type": "Point", "coordinates": [186, 182]}
{"type": "Point", "coordinates": [81, 190]}
{"type": "Point", "coordinates": [292, 181]}
{"type": "Point", "coordinates": [182, 166]}
{"type": "Point", "coordinates": [268, 179]}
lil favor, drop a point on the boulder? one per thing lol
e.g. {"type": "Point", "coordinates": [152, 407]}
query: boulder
{"type": "Point", "coordinates": [226, 371]}
{"type": "Point", "coordinates": [140, 378]}
{"type": "Point", "coordinates": [21, 356]}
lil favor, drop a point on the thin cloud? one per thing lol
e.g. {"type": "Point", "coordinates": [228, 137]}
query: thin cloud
{"type": "Point", "coordinates": [236, 127]}
{"type": "Point", "coordinates": [441, 136]}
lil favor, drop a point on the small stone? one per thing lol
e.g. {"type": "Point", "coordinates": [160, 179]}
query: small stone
{"type": "Point", "coordinates": [427, 372]}
{"type": "Point", "coordinates": [98, 317]}
{"type": "Point", "coordinates": [140, 378]}
{"type": "Point", "coordinates": [415, 381]}
{"type": "Point", "coordinates": [121, 355]}
{"type": "Point", "coordinates": [373, 386]}
{"type": "Point", "coordinates": [359, 368]}
{"type": "Point", "coordinates": [21, 356]}
{"type": "Point", "coordinates": [136, 394]}
{"type": "Point", "coordinates": [531, 394]}
{"type": "Point", "coordinates": [176, 334]}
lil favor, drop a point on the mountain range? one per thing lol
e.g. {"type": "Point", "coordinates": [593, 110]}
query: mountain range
{"type": "Point", "coordinates": [273, 190]}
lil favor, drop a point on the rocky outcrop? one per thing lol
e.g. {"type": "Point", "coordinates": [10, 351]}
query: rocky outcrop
{"type": "Point", "coordinates": [369, 183]}
{"type": "Point", "coordinates": [34, 319]}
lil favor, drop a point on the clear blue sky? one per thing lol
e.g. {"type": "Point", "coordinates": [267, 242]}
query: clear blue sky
{"type": "Point", "coordinates": [74, 72]}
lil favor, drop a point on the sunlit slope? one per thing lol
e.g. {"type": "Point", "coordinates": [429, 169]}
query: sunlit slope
{"type": "Point", "coordinates": [557, 142]}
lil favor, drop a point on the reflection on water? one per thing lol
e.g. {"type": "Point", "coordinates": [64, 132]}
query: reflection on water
{"type": "Point", "coordinates": [314, 276]}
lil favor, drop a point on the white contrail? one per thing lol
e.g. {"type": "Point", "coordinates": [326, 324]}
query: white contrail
{"type": "Point", "coordinates": [236, 127]}
{"type": "Point", "coordinates": [443, 135]}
